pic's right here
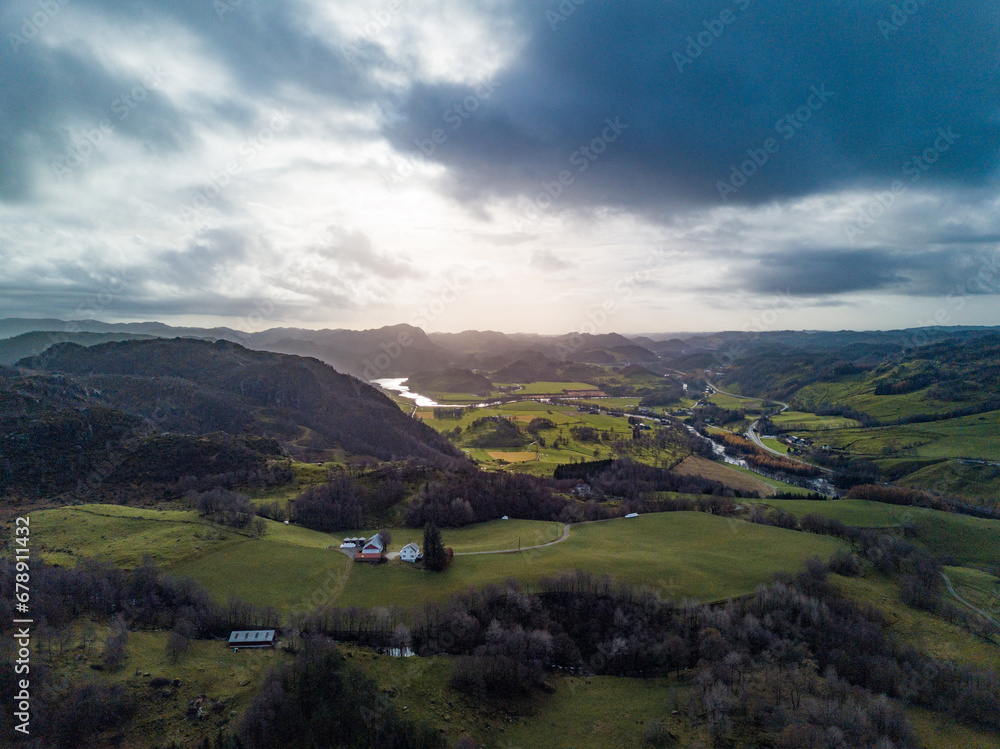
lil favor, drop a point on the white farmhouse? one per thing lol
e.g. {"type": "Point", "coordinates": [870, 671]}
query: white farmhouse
{"type": "Point", "coordinates": [410, 553]}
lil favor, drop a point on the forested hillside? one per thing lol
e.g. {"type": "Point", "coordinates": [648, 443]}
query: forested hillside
{"type": "Point", "coordinates": [192, 407]}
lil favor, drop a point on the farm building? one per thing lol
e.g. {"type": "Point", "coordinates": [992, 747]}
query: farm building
{"type": "Point", "coordinates": [410, 553]}
{"type": "Point", "coordinates": [372, 551]}
{"type": "Point", "coordinates": [251, 638]}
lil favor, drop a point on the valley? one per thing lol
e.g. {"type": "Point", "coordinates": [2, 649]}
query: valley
{"type": "Point", "coordinates": [206, 472]}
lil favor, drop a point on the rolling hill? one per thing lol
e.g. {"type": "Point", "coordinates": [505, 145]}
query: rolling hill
{"type": "Point", "coordinates": [198, 406]}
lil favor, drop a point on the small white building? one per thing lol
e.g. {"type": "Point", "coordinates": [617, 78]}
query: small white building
{"type": "Point", "coordinates": [410, 553]}
{"type": "Point", "coordinates": [260, 638]}
{"type": "Point", "coordinates": [632, 515]}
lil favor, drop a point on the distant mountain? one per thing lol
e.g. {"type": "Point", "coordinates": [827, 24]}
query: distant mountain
{"type": "Point", "coordinates": [467, 342]}
{"type": "Point", "coordinates": [31, 344]}
{"type": "Point", "coordinates": [180, 401]}
{"type": "Point", "coordinates": [12, 326]}
{"type": "Point", "coordinates": [394, 350]}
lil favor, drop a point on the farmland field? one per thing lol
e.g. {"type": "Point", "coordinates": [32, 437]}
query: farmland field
{"type": "Point", "coordinates": [570, 450]}
{"type": "Point", "coordinates": [709, 469]}
{"type": "Point", "coordinates": [733, 403]}
{"type": "Point", "coordinates": [970, 540]}
{"type": "Point", "coordinates": [121, 535]}
{"type": "Point", "coordinates": [803, 421]}
{"type": "Point", "coordinates": [270, 573]}
{"type": "Point", "coordinates": [774, 444]}
{"type": "Point", "coordinates": [490, 536]}
{"type": "Point", "coordinates": [859, 393]}
{"type": "Point", "coordinates": [967, 437]}
{"type": "Point", "coordinates": [680, 554]}
{"type": "Point", "coordinates": [975, 483]}
{"type": "Point", "coordinates": [543, 388]}
{"type": "Point", "coordinates": [512, 456]}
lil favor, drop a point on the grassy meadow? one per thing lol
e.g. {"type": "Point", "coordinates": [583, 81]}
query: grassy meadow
{"type": "Point", "coordinates": [542, 461]}
{"type": "Point", "coordinates": [681, 555]}
{"type": "Point", "coordinates": [970, 540]}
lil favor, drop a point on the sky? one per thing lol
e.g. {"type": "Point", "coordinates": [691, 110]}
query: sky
{"type": "Point", "coordinates": [514, 165]}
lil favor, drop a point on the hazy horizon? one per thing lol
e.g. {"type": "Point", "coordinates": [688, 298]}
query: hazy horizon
{"type": "Point", "coordinates": [629, 334]}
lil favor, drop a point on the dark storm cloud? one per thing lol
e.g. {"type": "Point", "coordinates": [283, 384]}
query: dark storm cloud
{"type": "Point", "coordinates": [60, 105]}
{"type": "Point", "coordinates": [938, 272]}
{"type": "Point", "coordinates": [264, 45]}
{"type": "Point", "coordinates": [703, 87]}
{"type": "Point", "coordinates": [55, 97]}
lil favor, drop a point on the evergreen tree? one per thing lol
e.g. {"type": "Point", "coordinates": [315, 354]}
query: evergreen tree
{"type": "Point", "coordinates": [434, 555]}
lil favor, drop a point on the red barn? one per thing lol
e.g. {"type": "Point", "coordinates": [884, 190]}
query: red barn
{"type": "Point", "coordinates": [372, 551]}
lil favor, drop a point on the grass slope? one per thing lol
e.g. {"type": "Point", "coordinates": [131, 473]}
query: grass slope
{"type": "Point", "coordinates": [681, 554]}
{"type": "Point", "coordinates": [972, 541]}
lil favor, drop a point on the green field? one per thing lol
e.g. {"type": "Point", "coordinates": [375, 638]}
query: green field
{"type": "Point", "coordinates": [208, 669]}
{"type": "Point", "coordinates": [121, 535]}
{"type": "Point", "coordinates": [289, 568]}
{"type": "Point", "coordinates": [858, 393]}
{"type": "Point", "coordinates": [733, 403]}
{"type": "Point", "coordinates": [978, 484]}
{"type": "Point", "coordinates": [680, 554]}
{"type": "Point", "coordinates": [621, 403]}
{"type": "Point", "coordinates": [494, 535]}
{"type": "Point", "coordinates": [980, 589]}
{"type": "Point", "coordinates": [781, 486]}
{"type": "Point", "coordinates": [967, 437]}
{"type": "Point", "coordinates": [585, 713]}
{"type": "Point", "coordinates": [774, 444]}
{"type": "Point", "coordinates": [803, 421]}
{"type": "Point", "coordinates": [544, 388]}
{"type": "Point", "coordinates": [928, 633]}
{"type": "Point", "coordinates": [937, 732]}
{"type": "Point", "coordinates": [973, 541]}
{"type": "Point", "coordinates": [270, 573]}
{"type": "Point", "coordinates": [565, 417]}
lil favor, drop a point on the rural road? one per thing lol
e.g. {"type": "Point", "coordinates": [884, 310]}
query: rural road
{"type": "Point", "coordinates": [951, 589]}
{"type": "Point", "coordinates": [751, 433]}
{"type": "Point", "coordinates": [565, 535]}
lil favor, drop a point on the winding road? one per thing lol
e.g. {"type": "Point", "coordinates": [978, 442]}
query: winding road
{"type": "Point", "coordinates": [751, 433]}
{"type": "Point", "coordinates": [951, 589]}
